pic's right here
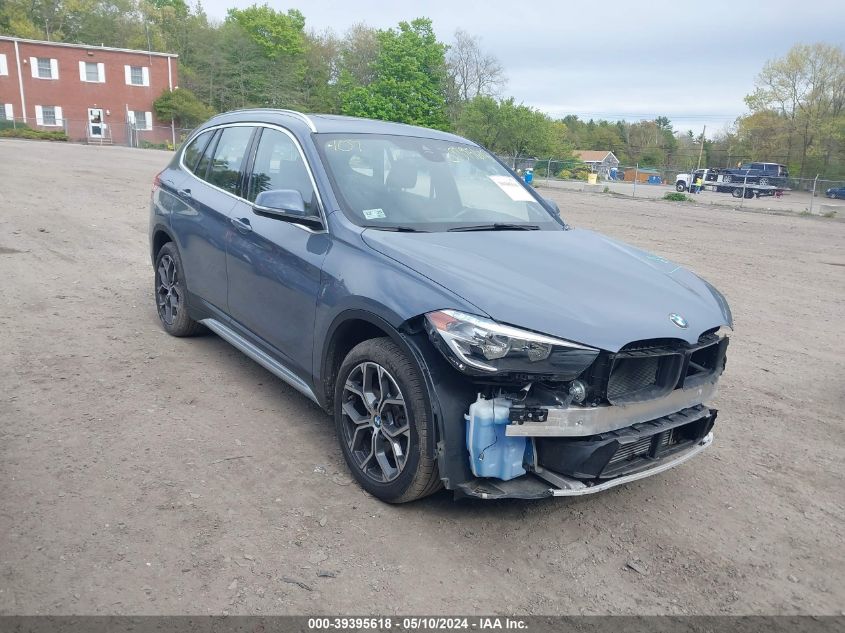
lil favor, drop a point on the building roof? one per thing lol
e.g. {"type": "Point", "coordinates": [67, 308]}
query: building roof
{"type": "Point", "coordinates": [593, 155]}
{"type": "Point", "coordinates": [89, 47]}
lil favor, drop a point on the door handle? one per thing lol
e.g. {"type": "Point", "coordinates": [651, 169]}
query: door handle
{"type": "Point", "coordinates": [242, 225]}
{"type": "Point", "coordinates": [184, 193]}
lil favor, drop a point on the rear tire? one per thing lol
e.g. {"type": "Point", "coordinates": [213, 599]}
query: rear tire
{"type": "Point", "coordinates": [171, 294]}
{"type": "Point", "coordinates": [382, 423]}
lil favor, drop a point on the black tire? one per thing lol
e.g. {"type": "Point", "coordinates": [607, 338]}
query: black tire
{"type": "Point", "coordinates": [171, 295]}
{"type": "Point", "coordinates": [737, 192]}
{"type": "Point", "coordinates": [680, 186]}
{"type": "Point", "coordinates": [362, 429]}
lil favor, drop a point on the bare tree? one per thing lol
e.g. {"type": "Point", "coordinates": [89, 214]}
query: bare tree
{"type": "Point", "coordinates": [358, 50]}
{"type": "Point", "coordinates": [472, 72]}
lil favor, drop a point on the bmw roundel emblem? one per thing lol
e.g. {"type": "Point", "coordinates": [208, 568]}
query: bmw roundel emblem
{"type": "Point", "coordinates": [678, 320]}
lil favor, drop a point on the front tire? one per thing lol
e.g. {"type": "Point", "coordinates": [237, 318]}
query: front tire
{"type": "Point", "coordinates": [171, 294]}
{"type": "Point", "coordinates": [382, 422]}
{"type": "Point", "coordinates": [680, 186]}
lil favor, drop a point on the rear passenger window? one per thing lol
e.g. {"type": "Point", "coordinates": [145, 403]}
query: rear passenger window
{"type": "Point", "coordinates": [205, 160]}
{"type": "Point", "coordinates": [193, 151]}
{"type": "Point", "coordinates": [225, 169]}
{"type": "Point", "coordinates": [279, 165]}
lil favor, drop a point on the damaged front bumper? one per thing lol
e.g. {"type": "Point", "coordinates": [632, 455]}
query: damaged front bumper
{"type": "Point", "coordinates": [544, 483]}
{"type": "Point", "coordinates": [575, 421]}
{"type": "Point", "coordinates": [574, 451]}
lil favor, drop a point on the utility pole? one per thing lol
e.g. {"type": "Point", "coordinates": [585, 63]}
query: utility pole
{"type": "Point", "coordinates": [813, 195]}
{"type": "Point", "coordinates": [636, 176]}
{"type": "Point", "coordinates": [701, 149]}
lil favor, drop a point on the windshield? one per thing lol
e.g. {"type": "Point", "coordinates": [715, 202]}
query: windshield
{"type": "Point", "coordinates": [422, 184]}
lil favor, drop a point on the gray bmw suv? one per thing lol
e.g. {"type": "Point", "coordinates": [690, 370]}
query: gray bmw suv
{"type": "Point", "coordinates": [461, 334]}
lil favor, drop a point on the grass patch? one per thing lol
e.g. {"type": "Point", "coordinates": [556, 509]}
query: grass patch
{"type": "Point", "coordinates": [676, 196]}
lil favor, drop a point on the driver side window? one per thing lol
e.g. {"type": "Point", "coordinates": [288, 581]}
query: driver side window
{"type": "Point", "coordinates": [279, 165]}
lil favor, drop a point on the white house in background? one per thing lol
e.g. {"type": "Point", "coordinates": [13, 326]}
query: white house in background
{"type": "Point", "coordinates": [600, 162]}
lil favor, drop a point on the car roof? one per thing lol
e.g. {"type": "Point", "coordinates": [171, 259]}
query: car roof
{"type": "Point", "coordinates": [330, 124]}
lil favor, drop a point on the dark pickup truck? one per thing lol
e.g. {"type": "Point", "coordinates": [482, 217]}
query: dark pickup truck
{"type": "Point", "coordinates": [760, 173]}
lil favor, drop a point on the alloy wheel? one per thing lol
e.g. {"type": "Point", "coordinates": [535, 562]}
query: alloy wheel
{"type": "Point", "coordinates": [168, 295]}
{"type": "Point", "coordinates": [375, 424]}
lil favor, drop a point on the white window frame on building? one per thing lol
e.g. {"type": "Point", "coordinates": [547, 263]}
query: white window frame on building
{"type": "Point", "coordinates": [36, 67]}
{"type": "Point", "coordinates": [57, 119]}
{"type": "Point", "coordinates": [148, 119]}
{"type": "Point", "coordinates": [86, 74]}
{"type": "Point", "coordinates": [7, 112]}
{"type": "Point", "coordinates": [4, 64]}
{"type": "Point", "coordinates": [130, 76]}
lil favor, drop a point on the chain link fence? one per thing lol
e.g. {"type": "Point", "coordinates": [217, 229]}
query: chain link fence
{"type": "Point", "coordinates": [129, 133]}
{"type": "Point", "coordinates": [570, 170]}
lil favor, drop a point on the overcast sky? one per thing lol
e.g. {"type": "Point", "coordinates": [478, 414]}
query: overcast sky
{"type": "Point", "coordinates": [691, 61]}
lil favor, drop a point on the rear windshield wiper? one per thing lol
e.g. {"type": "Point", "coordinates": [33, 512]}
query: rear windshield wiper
{"type": "Point", "coordinates": [397, 229]}
{"type": "Point", "coordinates": [497, 226]}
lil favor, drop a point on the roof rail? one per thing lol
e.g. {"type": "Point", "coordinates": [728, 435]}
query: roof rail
{"type": "Point", "coordinates": [302, 117]}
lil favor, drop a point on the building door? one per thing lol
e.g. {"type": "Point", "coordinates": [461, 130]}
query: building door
{"type": "Point", "coordinates": [95, 123]}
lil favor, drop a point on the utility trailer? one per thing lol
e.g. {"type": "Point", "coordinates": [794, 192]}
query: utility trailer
{"type": "Point", "coordinates": [747, 190]}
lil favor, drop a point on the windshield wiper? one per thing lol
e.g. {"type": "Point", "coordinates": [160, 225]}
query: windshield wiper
{"type": "Point", "coordinates": [497, 226]}
{"type": "Point", "coordinates": [396, 229]}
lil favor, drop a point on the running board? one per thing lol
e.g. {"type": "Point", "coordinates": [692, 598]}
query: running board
{"type": "Point", "coordinates": [259, 356]}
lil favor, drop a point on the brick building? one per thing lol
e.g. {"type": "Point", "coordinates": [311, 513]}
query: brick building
{"type": "Point", "coordinates": [94, 93]}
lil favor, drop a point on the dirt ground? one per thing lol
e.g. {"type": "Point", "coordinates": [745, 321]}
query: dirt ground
{"type": "Point", "coordinates": [141, 473]}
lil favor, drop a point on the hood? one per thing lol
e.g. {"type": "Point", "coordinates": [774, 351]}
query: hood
{"type": "Point", "coordinates": [577, 284]}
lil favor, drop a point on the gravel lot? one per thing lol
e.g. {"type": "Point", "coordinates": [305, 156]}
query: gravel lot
{"type": "Point", "coordinates": [145, 474]}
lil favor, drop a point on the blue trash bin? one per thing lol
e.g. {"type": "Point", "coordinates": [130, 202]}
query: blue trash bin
{"type": "Point", "coordinates": [528, 176]}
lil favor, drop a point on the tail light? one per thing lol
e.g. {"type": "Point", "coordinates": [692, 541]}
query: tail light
{"type": "Point", "coordinates": [156, 185]}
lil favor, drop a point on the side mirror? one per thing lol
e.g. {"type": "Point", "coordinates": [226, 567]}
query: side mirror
{"type": "Point", "coordinates": [282, 203]}
{"type": "Point", "coordinates": [552, 206]}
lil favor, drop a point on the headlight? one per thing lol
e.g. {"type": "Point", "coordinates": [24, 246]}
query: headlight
{"type": "Point", "coordinates": [480, 346]}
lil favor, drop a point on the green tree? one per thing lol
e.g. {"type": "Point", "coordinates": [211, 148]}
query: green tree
{"type": "Point", "coordinates": [278, 34]}
{"type": "Point", "coordinates": [806, 91]}
{"type": "Point", "coordinates": [409, 77]}
{"type": "Point", "coordinates": [512, 129]}
{"type": "Point", "coordinates": [319, 85]}
{"type": "Point", "coordinates": [182, 106]}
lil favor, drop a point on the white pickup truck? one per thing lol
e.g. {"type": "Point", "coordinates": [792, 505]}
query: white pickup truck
{"type": "Point", "coordinates": [683, 182]}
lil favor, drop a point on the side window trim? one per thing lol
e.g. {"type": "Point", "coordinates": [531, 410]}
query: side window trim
{"type": "Point", "coordinates": [246, 175]}
{"type": "Point", "coordinates": [258, 128]}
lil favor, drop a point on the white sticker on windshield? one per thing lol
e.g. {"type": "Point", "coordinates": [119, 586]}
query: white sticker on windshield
{"type": "Point", "coordinates": [374, 214]}
{"type": "Point", "coordinates": [512, 188]}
